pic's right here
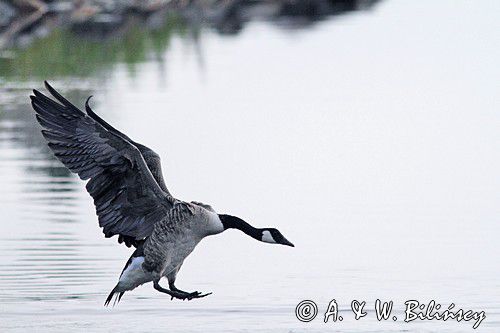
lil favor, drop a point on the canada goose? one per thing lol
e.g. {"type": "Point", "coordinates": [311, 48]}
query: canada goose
{"type": "Point", "coordinates": [131, 198]}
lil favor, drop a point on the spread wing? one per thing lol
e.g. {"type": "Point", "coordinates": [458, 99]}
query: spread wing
{"type": "Point", "coordinates": [128, 199]}
{"type": "Point", "coordinates": [151, 157]}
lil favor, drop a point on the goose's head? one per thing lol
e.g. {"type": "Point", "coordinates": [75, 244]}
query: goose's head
{"type": "Point", "coordinates": [274, 236]}
{"type": "Point", "coordinates": [266, 235]}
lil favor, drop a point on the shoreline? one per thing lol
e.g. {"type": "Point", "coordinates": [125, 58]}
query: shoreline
{"type": "Point", "coordinates": [20, 19]}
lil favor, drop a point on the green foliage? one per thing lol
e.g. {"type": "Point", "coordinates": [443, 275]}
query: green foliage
{"type": "Point", "coordinates": [64, 53]}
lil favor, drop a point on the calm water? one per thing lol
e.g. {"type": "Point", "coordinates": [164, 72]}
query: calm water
{"type": "Point", "coordinates": [370, 140]}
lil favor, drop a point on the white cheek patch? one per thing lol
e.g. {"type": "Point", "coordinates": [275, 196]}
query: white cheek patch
{"type": "Point", "coordinates": [267, 237]}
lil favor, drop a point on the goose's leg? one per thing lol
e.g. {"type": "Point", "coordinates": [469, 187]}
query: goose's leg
{"type": "Point", "coordinates": [195, 294]}
{"type": "Point", "coordinates": [179, 294]}
{"type": "Point", "coordinates": [171, 283]}
{"type": "Point", "coordinates": [173, 293]}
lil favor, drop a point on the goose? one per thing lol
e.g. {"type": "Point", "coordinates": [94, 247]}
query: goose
{"type": "Point", "coordinates": [131, 199]}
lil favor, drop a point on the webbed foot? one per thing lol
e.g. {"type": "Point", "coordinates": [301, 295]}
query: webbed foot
{"type": "Point", "coordinates": [190, 296]}
{"type": "Point", "coordinates": [179, 294]}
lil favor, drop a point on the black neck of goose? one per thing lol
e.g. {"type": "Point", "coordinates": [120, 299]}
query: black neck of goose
{"type": "Point", "coordinates": [233, 222]}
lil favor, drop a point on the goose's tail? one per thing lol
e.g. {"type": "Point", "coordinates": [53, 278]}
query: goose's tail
{"type": "Point", "coordinates": [118, 296]}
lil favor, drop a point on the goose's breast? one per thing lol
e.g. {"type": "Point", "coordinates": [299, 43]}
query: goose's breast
{"type": "Point", "coordinates": [206, 223]}
{"type": "Point", "coordinates": [179, 251]}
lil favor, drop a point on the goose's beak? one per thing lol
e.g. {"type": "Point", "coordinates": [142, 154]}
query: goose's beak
{"type": "Point", "coordinates": [285, 241]}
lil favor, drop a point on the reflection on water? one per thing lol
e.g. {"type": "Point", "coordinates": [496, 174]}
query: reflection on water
{"type": "Point", "coordinates": [42, 259]}
{"type": "Point", "coordinates": [372, 148]}
{"type": "Point", "coordinates": [75, 54]}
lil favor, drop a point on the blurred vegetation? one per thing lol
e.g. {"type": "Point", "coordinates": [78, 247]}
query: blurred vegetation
{"type": "Point", "coordinates": [67, 53]}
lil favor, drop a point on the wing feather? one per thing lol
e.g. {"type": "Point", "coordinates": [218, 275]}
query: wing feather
{"type": "Point", "coordinates": [128, 198]}
{"type": "Point", "coordinates": [152, 159]}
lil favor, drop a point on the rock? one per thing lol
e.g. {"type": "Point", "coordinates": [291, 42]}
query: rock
{"type": "Point", "coordinates": [84, 13]}
{"type": "Point", "coordinates": [7, 14]}
{"type": "Point", "coordinates": [149, 5]}
{"type": "Point", "coordinates": [60, 6]}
